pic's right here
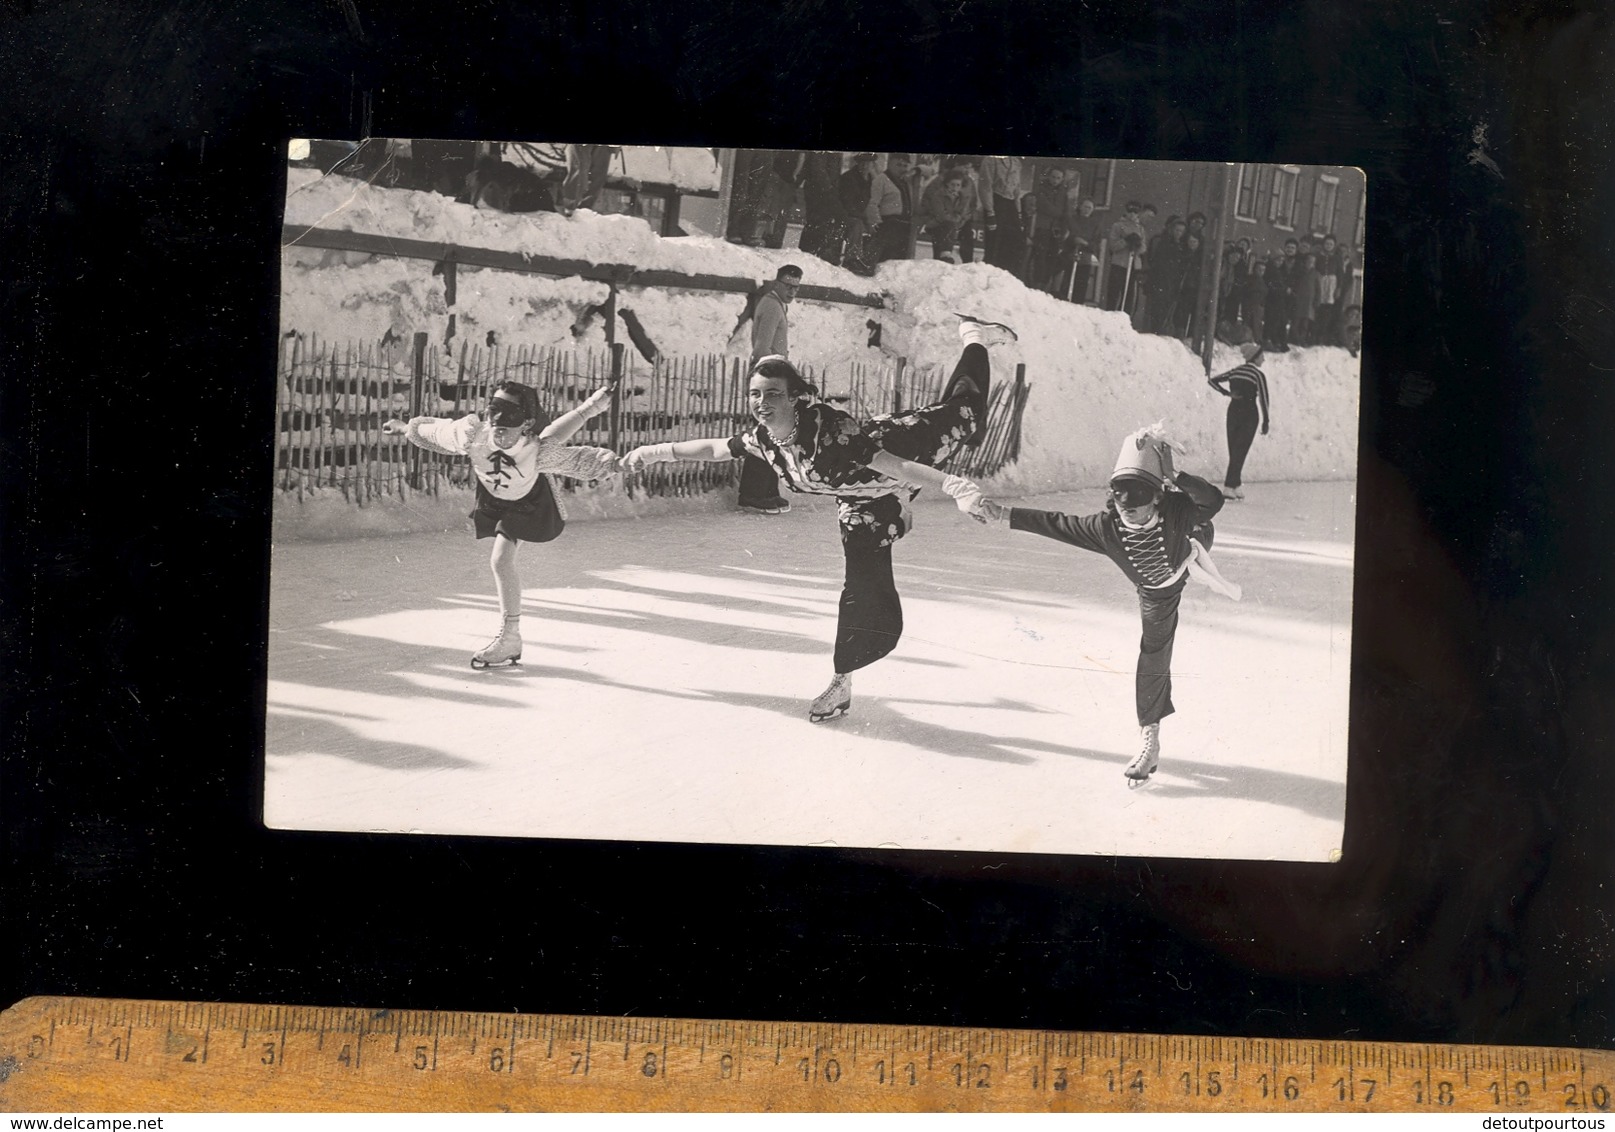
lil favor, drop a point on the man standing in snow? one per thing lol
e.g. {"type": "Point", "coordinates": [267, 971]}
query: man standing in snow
{"type": "Point", "coordinates": [586, 169]}
{"type": "Point", "coordinates": [1086, 236]}
{"type": "Point", "coordinates": [1050, 222]}
{"type": "Point", "coordinates": [1126, 245]}
{"type": "Point", "coordinates": [821, 206]}
{"type": "Point", "coordinates": [891, 208]}
{"type": "Point", "coordinates": [857, 189]}
{"type": "Point", "coordinates": [1001, 194]}
{"type": "Point", "coordinates": [759, 484]}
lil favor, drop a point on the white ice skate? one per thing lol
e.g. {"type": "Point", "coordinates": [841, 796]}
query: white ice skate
{"type": "Point", "coordinates": [776, 507]}
{"type": "Point", "coordinates": [983, 331]}
{"type": "Point", "coordinates": [834, 701]}
{"type": "Point", "coordinates": [1139, 770]}
{"type": "Point", "coordinates": [506, 648]}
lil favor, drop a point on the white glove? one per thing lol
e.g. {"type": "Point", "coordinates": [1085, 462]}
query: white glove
{"type": "Point", "coordinates": [964, 492]}
{"type": "Point", "coordinates": [648, 454]}
{"type": "Point", "coordinates": [968, 498]}
{"type": "Point", "coordinates": [1168, 472]}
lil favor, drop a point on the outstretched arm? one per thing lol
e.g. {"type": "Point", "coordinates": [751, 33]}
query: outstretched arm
{"type": "Point", "coordinates": [435, 434]}
{"type": "Point", "coordinates": [968, 498]}
{"type": "Point", "coordinates": [707, 450]}
{"type": "Point", "coordinates": [563, 426]}
{"type": "Point", "coordinates": [906, 471]}
{"type": "Point", "coordinates": [1083, 531]}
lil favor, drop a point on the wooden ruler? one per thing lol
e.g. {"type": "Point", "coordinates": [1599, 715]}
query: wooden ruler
{"type": "Point", "coordinates": [113, 1055]}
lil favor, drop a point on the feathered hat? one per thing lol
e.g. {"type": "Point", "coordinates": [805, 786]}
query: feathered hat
{"type": "Point", "coordinates": [1145, 455]}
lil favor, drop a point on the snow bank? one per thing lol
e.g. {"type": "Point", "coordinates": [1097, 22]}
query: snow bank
{"type": "Point", "coordinates": [1093, 377]}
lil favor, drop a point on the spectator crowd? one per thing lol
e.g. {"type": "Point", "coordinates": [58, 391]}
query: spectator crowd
{"type": "Point", "coordinates": [1036, 226]}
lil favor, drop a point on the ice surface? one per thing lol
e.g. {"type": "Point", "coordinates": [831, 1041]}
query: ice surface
{"type": "Point", "coordinates": [669, 663]}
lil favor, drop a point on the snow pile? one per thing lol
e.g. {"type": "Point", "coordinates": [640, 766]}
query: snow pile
{"type": "Point", "coordinates": [1093, 377]}
{"type": "Point", "coordinates": [318, 200]}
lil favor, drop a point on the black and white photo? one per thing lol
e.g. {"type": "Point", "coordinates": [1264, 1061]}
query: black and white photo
{"type": "Point", "coordinates": [487, 344]}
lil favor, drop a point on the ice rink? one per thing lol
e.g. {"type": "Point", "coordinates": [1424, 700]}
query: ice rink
{"type": "Point", "coordinates": [669, 662]}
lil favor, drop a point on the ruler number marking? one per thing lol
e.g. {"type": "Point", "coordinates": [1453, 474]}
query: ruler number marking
{"type": "Point", "coordinates": [884, 1078]}
{"type": "Point", "coordinates": [1137, 1075]}
{"type": "Point", "coordinates": [1596, 1097]}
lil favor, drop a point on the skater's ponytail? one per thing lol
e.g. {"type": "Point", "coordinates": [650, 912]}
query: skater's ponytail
{"type": "Point", "coordinates": [778, 366]}
{"type": "Point", "coordinates": [513, 404]}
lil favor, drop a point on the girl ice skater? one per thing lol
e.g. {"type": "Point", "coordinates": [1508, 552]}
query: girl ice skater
{"type": "Point", "coordinates": [1245, 386]}
{"type": "Point", "coordinates": [514, 448]}
{"type": "Point", "coordinates": [871, 468]}
{"type": "Point", "coordinates": [1156, 526]}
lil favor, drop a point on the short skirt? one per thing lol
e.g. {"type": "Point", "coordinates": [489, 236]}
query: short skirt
{"type": "Point", "coordinates": [532, 518]}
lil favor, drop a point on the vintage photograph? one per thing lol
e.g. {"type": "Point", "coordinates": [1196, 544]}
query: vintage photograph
{"type": "Point", "coordinates": [819, 498]}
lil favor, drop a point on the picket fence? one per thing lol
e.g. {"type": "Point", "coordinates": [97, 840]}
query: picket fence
{"type": "Point", "coordinates": [331, 400]}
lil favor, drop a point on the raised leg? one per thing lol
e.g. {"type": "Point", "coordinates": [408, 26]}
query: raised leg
{"type": "Point", "coordinates": [932, 434]}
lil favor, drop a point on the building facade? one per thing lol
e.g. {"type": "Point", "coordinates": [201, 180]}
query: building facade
{"type": "Point", "coordinates": [1268, 203]}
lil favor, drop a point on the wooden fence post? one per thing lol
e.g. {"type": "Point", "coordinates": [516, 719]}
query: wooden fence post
{"type": "Point", "coordinates": [1017, 404]}
{"type": "Point", "coordinates": [417, 401]}
{"type": "Point", "coordinates": [897, 385]}
{"type": "Point", "coordinates": [616, 393]}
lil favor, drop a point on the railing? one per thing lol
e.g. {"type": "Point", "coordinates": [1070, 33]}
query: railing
{"type": "Point", "coordinates": [332, 398]}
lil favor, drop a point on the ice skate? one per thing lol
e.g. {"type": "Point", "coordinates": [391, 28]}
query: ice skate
{"type": "Point", "coordinates": [983, 331]}
{"type": "Point", "coordinates": [1232, 494]}
{"type": "Point", "coordinates": [833, 701]}
{"type": "Point", "coordinates": [772, 507]}
{"type": "Point", "coordinates": [1139, 770]}
{"type": "Point", "coordinates": [506, 648]}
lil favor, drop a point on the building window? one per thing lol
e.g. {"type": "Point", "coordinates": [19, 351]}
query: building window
{"type": "Point", "coordinates": [1104, 176]}
{"type": "Point", "coordinates": [1281, 201]}
{"type": "Point", "coordinates": [1248, 193]}
{"type": "Point", "coordinates": [1362, 216]}
{"type": "Point", "coordinates": [1325, 195]}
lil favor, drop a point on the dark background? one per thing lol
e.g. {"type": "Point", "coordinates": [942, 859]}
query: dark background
{"type": "Point", "coordinates": [142, 177]}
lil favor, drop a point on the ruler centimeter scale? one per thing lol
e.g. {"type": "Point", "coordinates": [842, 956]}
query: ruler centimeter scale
{"type": "Point", "coordinates": [116, 1055]}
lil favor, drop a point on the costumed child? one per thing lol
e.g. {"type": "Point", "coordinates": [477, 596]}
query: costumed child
{"type": "Point", "coordinates": [514, 448]}
{"type": "Point", "coordinates": [1156, 526]}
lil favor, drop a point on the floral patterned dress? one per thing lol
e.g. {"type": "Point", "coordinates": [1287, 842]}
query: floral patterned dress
{"type": "Point", "coordinates": [830, 455]}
